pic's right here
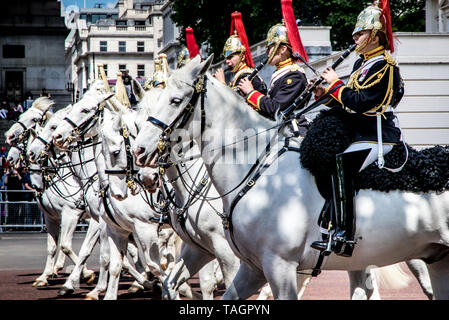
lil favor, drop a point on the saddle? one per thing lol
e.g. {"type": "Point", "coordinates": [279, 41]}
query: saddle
{"type": "Point", "coordinates": [426, 170]}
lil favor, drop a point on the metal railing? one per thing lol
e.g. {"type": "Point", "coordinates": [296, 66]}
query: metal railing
{"type": "Point", "coordinates": [19, 212]}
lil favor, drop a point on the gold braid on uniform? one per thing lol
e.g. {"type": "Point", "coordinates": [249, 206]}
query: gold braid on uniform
{"type": "Point", "coordinates": [353, 84]}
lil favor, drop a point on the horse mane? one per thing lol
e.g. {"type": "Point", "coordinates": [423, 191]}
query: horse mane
{"type": "Point", "coordinates": [43, 104]}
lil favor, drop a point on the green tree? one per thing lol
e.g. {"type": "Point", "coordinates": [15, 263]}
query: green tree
{"type": "Point", "coordinates": [211, 20]}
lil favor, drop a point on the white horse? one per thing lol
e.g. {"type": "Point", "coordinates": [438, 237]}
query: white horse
{"type": "Point", "coordinates": [120, 216]}
{"type": "Point", "coordinates": [63, 202]}
{"type": "Point", "coordinates": [359, 280]}
{"type": "Point", "coordinates": [61, 215]}
{"type": "Point", "coordinates": [272, 227]}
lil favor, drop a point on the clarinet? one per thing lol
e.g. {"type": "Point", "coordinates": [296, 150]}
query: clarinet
{"type": "Point", "coordinates": [307, 93]}
{"type": "Point", "coordinates": [257, 69]}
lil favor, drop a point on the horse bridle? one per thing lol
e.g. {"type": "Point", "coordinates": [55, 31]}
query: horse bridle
{"type": "Point", "coordinates": [81, 129]}
{"type": "Point", "coordinates": [163, 146]}
{"type": "Point", "coordinates": [129, 171]}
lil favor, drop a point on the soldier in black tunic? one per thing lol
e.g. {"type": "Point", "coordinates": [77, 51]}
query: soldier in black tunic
{"type": "Point", "coordinates": [238, 58]}
{"type": "Point", "coordinates": [287, 82]}
{"type": "Point", "coordinates": [373, 91]}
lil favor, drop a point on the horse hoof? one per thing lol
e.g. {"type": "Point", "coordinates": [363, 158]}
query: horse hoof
{"type": "Point", "coordinates": [164, 266]}
{"type": "Point", "coordinates": [134, 289]}
{"type": "Point", "coordinates": [65, 292]}
{"type": "Point", "coordinates": [91, 278]}
{"type": "Point", "coordinates": [90, 298]}
{"type": "Point", "coordinates": [40, 283]}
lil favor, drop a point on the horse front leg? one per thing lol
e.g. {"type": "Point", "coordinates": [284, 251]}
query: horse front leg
{"type": "Point", "coordinates": [69, 220]}
{"type": "Point", "coordinates": [91, 239]}
{"type": "Point", "coordinates": [282, 277]}
{"type": "Point", "coordinates": [210, 277]}
{"type": "Point", "coordinates": [52, 246]}
{"type": "Point", "coordinates": [117, 247]}
{"type": "Point", "coordinates": [189, 263]}
{"type": "Point", "coordinates": [439, 277]}
{"type": "Point", "coordinates": [104, 264]}
{"type": "Point", "coordinates": [421, 273]}
{"type": "Point", "coordinates": [246, 283]}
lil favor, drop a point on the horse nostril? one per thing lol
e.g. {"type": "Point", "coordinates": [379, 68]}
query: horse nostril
{"type": "Point", "coordinates": [139, 150]}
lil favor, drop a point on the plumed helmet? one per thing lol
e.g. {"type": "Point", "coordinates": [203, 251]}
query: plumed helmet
{"type": "Point", "coordinates": [369, 19]}
{"type": "Point", "coordinates": [233, 45]}
{"type": "Point", "coordinates": [376, 18]}
{"type": "Point", "coordinates": [183, 57]}
{"type": "Point", "coordinates": [277, 35]}
{"type": "Point", "coordinates": [286, 33]}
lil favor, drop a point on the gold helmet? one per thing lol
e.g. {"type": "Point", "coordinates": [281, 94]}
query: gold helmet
{"type": "Point", "coordinates": [275, 36]}
{"type": "Point", "coordinates": [234, 45]}
{"type": "Point", "coordinates": [375, 18]}
{"type": "Point", "coordinates": [183, 57]}
{"type": "Point", "coordinates": [286, 33]}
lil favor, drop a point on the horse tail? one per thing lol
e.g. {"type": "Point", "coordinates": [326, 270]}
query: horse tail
{"type": "Point", "coordinates": [391, 277]}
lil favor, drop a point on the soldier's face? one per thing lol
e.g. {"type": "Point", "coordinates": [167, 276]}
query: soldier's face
{"type": "Point", "coordinates": [232, 60]}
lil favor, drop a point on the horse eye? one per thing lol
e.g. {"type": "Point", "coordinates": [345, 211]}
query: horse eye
{"type": "Point", "coordinates": [116, 153]}
{"type": "Point", "coordinates": [53, 127]}
{"type": "Point", "coordinates": [35, 119]}
{"type": "Point", "coordinates": [85, 110]}
{"type": "Point", "coordinates": [176, 101]}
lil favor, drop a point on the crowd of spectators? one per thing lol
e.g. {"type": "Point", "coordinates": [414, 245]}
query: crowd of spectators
{"type": "Point", "coordinates": [11, 110]}
{"type": "Point", "coordinates": [16, 186]}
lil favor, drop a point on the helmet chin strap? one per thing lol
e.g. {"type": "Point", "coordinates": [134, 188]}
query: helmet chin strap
{"type": "Point", "coordinates": [373, 33]}
{"type": "Point", "coordinates": [273, 52]}
{"type": "Point", "coordinates": [237, 65]}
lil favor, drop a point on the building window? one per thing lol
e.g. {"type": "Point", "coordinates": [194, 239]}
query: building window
{"type": "Point", "coordinates": [141, 70]}
{"type": "Point", "coordinates": [122, 67]}
{"type": "Point", "coordinates": [122, 46]}
{"type": "Point", "coordinates": [121, 23]}
{"type": "Point", "coordinates": [140, 46]}
{"type": "Point", "coordinates": [13, 51]}
{"type": "Point", "coordinates": [105, 67]}
{"type": "Point", "coordinates": [103, 46]}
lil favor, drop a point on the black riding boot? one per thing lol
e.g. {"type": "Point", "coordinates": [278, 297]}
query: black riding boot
{"type": "Point", "coordinates": [342, 239]}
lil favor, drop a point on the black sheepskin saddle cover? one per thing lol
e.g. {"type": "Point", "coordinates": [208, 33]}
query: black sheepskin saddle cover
{"type": "Point", "coordinates": [426, 170]}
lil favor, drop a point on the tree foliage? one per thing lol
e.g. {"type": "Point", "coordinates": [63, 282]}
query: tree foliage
{"type": "Point", "coordinates": [211, 19]}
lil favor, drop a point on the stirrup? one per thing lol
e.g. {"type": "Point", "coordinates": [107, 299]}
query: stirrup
{"type": "Point", "coordinates": [323, 245]}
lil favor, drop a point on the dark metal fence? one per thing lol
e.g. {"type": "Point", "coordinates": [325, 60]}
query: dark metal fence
{"type": "Point", "coordinates": [23, 216]}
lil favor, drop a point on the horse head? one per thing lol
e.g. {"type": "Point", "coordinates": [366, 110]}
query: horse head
{"type": "Point", "coordinates": [118, 133]}
{"type": "Point", "coordinates": [35, 115]}
{"type": "Point", "coordinates": [39, 147]}
{"type": "Point", "coordinates": [173, 110]}
{"type": "Point", "coordinates": [80, 121]}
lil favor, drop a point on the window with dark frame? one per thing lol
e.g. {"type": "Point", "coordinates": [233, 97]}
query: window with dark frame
{"type": "Point", "coordinates": [122, 46]}
{"type": "Point", "coordinates": [103, 46]}
{"type": "Point", "coordinates": [105, 67]}
{"type": "Point", "coordinates": [13, 51]}
{"type": "Point", "coordinates": [122, 67]}
{"type": "Point", "coordinates": [140, 46]}
{"type": "Point", "coordinates": [141, 70]}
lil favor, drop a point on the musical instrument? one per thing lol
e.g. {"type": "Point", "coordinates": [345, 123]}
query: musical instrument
{"type": "Point", "coordinates": [305, 96]}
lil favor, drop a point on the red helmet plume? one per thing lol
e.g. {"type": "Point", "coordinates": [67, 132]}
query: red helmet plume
{"type": "Point", "coordinates": [292, 30]}
{"type": "Point", "coordinates": [191, 43]}
{"type": "Point", "coordinates": [237, 25]}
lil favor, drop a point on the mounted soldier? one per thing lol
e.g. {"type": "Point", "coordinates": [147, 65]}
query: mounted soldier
{"type": "Point", "coordinates": [238, 57]}
{"type": "Point", "coordinates": [368, 99]}
{"type": "Point", "coordinates": [284, 47]}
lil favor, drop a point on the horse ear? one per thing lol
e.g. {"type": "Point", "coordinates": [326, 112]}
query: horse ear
{"type": "Point", "coordinates": [201, 69]}
{"type": "Point", "coordinates": [138, 90]}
